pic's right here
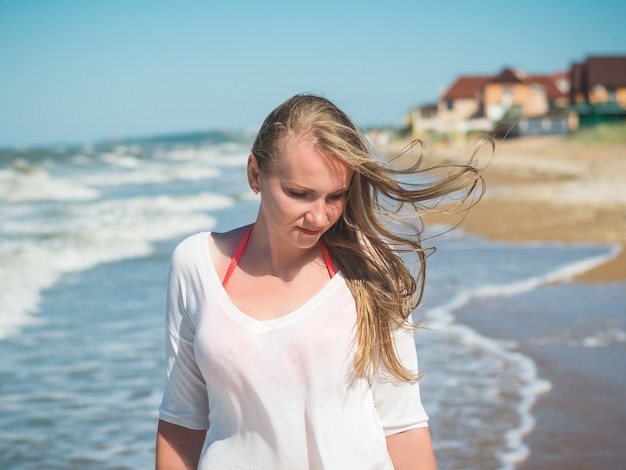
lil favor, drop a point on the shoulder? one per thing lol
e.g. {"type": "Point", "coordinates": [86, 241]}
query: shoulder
{"type": "Point", "coordinates": [222, 247]}
{"type": "Point", "coordinates": [226, 242]}
{"type": "Point", "coordinates": [187, 255]}
{"type": "Point", "coordinates": [187, 249]}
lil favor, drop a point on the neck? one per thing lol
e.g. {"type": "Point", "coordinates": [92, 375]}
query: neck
{"type": "Point", "coordinates": [272, 257]}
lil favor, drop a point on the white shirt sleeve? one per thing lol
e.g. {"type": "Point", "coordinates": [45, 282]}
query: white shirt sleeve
{"type": "Point", "coordinates": [185, 401]}
{"type": "Point", "coordinates": [398, 403]}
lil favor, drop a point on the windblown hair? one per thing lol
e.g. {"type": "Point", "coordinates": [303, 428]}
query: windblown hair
{"type": "Point", "coordinates": [380, 225]}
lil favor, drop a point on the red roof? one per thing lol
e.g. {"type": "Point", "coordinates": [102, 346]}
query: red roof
{"type": "Point", "coordinates": [506, 76]}
{"type": "Point", "coordinates": [470, 86]}
{"type": "Point", "coordinates": [466, 86]}
{"type": "Point", "coordinates": [548, 84]}
{"type": "Point", "coordinates": [564, 74]}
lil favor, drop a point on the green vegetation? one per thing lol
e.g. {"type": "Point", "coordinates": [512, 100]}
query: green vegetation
{"type": "Point", "coordinates": [608, 133]}
{"type": "Point", "coordinates": [395, 133]}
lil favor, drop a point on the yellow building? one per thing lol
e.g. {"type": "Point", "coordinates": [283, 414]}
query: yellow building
{"type": "Point", "coordinates": [524, 95]}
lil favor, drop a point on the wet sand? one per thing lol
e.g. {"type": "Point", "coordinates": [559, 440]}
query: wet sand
{"type": "Point", "coordinates": [551, 189]}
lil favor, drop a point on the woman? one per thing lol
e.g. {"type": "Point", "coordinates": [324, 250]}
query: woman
{"type": "Point", "coordinates": [290, 344]}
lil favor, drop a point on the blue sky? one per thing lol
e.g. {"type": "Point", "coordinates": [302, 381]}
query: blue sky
{"type": "Point", "coordinates": [80, 71]}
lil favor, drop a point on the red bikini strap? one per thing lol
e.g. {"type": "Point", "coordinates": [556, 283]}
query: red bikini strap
{"type": "Point", "coordinates": [329, 262]}
{"type": "Point", "coordinates": [236, 257]}
{"type": "Point", "coordinates": [242, 247]}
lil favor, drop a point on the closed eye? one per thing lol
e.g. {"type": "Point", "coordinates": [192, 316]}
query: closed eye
{"type": "Point", "coordinates": [300, 194]}
{"type": "Point", "coordinates": [296, 194]}
{"type": "Point", "coordinates": [338, 196]}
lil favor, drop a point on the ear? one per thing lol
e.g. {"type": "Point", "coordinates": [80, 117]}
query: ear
{"type": "Point", "coordinates": [254, 173]}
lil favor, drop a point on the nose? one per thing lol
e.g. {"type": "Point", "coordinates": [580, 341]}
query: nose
{"type": "Point", "coordinates": [316, 215]}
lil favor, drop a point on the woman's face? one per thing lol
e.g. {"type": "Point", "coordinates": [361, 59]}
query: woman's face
{"type": "Point", "coordinates": [303, 193]}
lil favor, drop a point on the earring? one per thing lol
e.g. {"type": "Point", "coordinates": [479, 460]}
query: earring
{"type": "Point", "coordinates": [255, 190]}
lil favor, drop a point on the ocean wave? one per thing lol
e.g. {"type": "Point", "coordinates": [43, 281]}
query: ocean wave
{"type": "Point", "coordinates": [39, 185]}
{"type": "Point", "coordinates": [518, 380]}
{"type": "Point", "coordinates": [80, 236]}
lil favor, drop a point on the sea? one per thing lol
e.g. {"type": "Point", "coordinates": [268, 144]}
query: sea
{"type": "Point", "coordinates": [86, 234]}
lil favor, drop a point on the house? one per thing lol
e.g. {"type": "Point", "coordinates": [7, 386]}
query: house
{"type": "Point", "coordinates": [598, 91]}
{"type": "Point", "coordinates": [479, 102]}
{"type": "Point", "coordinates": [524, 95]}
{"type": "Point", "coordinates": [563, 82]}
{"type": "Point", "coordinates": [599, 80]}
{"type": "Point", "coordinates": [463, 100]}
{"type": "Point", "coordinates": [556, 87]}
{"type": "Point", "coordinates": [459, 109]}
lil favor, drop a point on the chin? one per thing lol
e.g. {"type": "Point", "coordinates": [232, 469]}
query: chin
{"type": "Point", "coordinates": [304, 240]}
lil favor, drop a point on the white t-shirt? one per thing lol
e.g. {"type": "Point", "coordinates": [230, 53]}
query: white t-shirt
{"type": "Point", "coordinates": [277, 394]}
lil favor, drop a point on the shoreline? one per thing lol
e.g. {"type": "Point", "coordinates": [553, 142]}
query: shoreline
{"type": "Point", "coordinates": [557, 191]}
{"type": "Point", "coordinates": [553, 190]}
{"type": "Point", "coordinates": [570, 333]}
{"type": "Point", "coordinates": [545, 189]}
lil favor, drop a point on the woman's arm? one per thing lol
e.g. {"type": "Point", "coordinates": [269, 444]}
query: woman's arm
{"type": "Point", "coordinates": [411, 450]}
{"type": "Point", "coordinates": [178, 447]}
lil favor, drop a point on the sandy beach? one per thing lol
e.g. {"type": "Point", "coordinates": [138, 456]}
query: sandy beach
{"type": "Point", "coordinates": [552, 189]}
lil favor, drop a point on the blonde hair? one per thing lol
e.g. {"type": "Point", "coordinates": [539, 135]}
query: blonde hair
{"type": "Point", "coordinates": [381, 221]}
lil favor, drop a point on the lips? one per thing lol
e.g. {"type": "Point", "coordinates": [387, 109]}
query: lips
{"type": "Point", "coordinates": [309, 232]}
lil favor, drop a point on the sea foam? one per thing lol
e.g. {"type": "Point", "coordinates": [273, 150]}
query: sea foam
{"type": "Point", "coordinates": [523, 382]}
{"type": "Point", "coordinates": [81, 236]}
